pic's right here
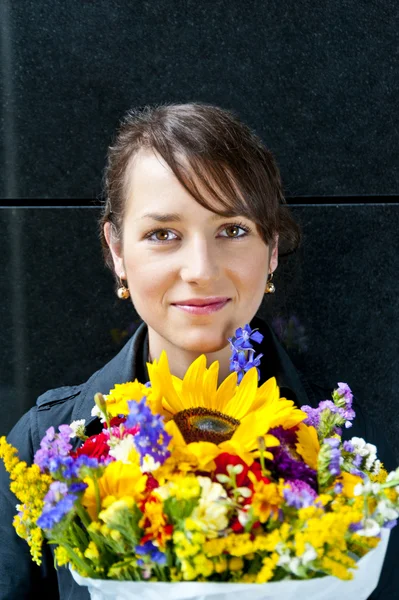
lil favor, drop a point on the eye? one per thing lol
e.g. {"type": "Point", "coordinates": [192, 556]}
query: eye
{"type": "Point", "coordinates": [235, 230]}
{"type": "Point", "coordinates": [161, 235]}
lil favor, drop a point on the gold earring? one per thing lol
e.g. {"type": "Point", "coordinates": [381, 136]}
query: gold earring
{"type": "Point", "coordinates": [122, 291]}
{"type": "Point", "coordinates": [270, 287]}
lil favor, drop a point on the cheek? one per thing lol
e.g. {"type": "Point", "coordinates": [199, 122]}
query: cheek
{"type": "Point", "coordinates": [250, 272]}
{"type": "Point", "coordinates": [149, 279]}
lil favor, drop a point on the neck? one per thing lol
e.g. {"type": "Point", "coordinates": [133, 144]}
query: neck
{"type": "Point", "coordinates": [180, 359]}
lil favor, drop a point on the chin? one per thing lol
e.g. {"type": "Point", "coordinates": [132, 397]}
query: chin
{"type": "Point", "coordinates": [203, 342]}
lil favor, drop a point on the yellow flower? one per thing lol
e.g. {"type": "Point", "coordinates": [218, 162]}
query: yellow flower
{"type": "Point", "coordinates": [30, 487]}
{"type": "Point", "coordinates": [308, 445]}
{"type": "Point", "coordinates": [349, 482]}
{"type": "Point", "coordinates": [119, 396]}
{"type": "Point", "coordinates": [266, 499]}
{"type": "Point", "coordinates": [92, 552]}
{"type": "Point", "coordinates": [118, 480]}
{"type": "Point", "coordinates": [231, 416]}
{"type": "Point", "coordinates": [268, 568]}
{"type": "Point", "coordinates": [61, 556]}
{"type": "Point", "coordinates": [154, 522]}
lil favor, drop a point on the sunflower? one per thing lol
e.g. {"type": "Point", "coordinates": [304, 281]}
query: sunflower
{"type": "Point", "coordinates": [231, 416]}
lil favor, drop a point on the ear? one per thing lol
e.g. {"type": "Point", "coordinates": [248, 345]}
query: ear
{"type": "Point", "coordinates": [273, 261]}
{"type": "Point", "coordinates": [115, 247]}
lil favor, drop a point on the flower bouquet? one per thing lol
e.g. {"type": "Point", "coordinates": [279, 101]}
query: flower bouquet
{"type": "Point", "coordinates": [195, 490]}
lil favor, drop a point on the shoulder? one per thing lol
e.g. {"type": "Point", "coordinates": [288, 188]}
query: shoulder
{"type": "Point", "coordinates": [52, 408]}
{"type": "Point", "coordinates": [58, 396]}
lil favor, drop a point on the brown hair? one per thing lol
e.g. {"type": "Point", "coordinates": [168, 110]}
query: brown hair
{"type": "Point", "coordinates": [202, 144]}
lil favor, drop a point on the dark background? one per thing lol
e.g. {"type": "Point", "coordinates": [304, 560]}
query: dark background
{"type": "Point", "coordinates": [317, 81]}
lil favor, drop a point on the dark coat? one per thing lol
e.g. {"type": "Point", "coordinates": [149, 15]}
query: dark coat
{"type": "Point", "coordinates": [21, 579]}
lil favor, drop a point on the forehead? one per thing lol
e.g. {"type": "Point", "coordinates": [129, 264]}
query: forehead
{"type": "Point", "coordinates": [150, 183]}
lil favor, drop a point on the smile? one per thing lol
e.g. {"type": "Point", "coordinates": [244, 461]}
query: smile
{"type": "Point", "coordinates": [203, 306]}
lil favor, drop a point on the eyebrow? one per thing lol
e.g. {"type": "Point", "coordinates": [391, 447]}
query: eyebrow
{"type": "Point", "coordinates": [168, 217]}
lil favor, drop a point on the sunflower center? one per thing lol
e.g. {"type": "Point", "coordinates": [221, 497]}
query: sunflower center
{"type": "Point", "coordinates": [205, 425]}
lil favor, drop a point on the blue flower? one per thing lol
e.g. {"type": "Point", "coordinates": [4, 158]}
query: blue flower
{"type": "Point", "coordinates": [153, 553]}
{"type": "Point", "coordinates": [243, 355]}
{"type": "Point", "coordinates": [151, 431]}
{"type": "Point", "coordinates": [57, 503]}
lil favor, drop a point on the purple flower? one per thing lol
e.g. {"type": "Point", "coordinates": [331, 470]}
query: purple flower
{"type": "Point", "coordinates": [285, 463]}
{"type": "Point", "coordinates": [357, 460]}
{"type": "Point", "coordinates": [335, 455]}
{"type": "Point", "coordinates": [348, 446]}
{"type": "Point", "coordinates": [313, 416]}
{"type": "Point", "coordinates": [355, 526]}
{"type": "Point", "coordinates": [338, 487]}
{"type": "Point", "coordinates": [53, 447]}
{"type": "Point", "coordinates": [390, 524]}
{"type": "Point", "coordinates": [345, 392]}
{"type": "Point", "coordinates": [299, 495]}
{"type": "Point", "coordinates": [151, 428]}
{"type": "Point", "coordinates": [57, 503]}
{"type": "Point", "coordinates": [343, 397]}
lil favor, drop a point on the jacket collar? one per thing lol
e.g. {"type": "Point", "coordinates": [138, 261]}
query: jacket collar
{"type": "Point", "coordinates": [129, 364]}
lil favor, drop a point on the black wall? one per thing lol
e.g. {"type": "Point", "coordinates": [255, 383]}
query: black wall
{"type": "Point", "coordinates": [317, 80]}
{"type": "Point", "coordinates": [336, 304]}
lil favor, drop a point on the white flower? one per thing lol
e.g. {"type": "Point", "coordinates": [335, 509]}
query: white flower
{"type": "Point", "coordinates": [243, 517]}
{"type": "Point", "coordinates": [377, 467]}
{"type": "Point", "coordinates": [386, 511]}
{"type": "Point", "coordinates": [211, 512]}
{"type": "Point", "coordinates": [309, 555]}
{"type": "Point", "coordinates": [96, 412]}
{"type": "Point", "coordinates": [122, 448]}
{"type": "Point", "coordinates": [370, 528]}
{"type": "Point", "coordinates": [366, 488]}
{"type": "Point", "coordinates": [78, 428]}
{"type": "Point", "coordinates": [149, 464]}
{"type": "Point", "coordinates": [392, 476]}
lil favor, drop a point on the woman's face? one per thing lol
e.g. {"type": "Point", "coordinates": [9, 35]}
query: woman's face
{"type": "Point", "coordinates": [176, 253]}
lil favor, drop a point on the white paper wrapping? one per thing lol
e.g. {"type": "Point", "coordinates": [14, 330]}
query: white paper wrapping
{"type": "Point", "coordinates": [325, 588]}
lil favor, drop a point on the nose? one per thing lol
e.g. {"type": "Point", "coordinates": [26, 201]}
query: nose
{"type": "Point", "coordinates": [201, 263]}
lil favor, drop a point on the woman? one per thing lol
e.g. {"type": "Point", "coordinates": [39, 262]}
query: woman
{"type": "Point", "coordinates": [192, 225]}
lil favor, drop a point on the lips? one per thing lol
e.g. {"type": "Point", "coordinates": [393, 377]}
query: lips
{"type": "Point", "coordinates": [202, 306]}
{"type": "Point", "coordinates": [202, 301]}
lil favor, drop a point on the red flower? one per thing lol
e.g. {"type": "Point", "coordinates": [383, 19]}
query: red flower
{"type": "Point", "coordinates": [242, 479]}
{"type": "Point", "coordinates": [115, 421]}
{"type": "Point", "coordinates": [152, 483]}
{"type": "Point", "coordinates": [95, 446]}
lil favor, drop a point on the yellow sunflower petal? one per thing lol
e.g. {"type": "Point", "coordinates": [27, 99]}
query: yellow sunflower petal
{"type": "Point", "coordinates": [267, 394]}
{"type": "Point", "coordinates": [241, 403]}
{"type": "Point", "coordinates": [226, 391]}
{"type": "Point", "coordinates": [245, 438]}
{"type": "Point", "coordinates": [308, 445]}
{"type": "Point", "coordinates": [192, 388]}
{"type": "Point", "coordinates": [210, 384]}
{"type": "Point", "coordinates": [177, 439]}
{"type": "Point", "coordinates": [165, 380]}
{"type": "Point", "coordinates": [284, 413]}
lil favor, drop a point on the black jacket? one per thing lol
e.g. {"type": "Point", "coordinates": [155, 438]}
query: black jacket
{"type": "Point", "coordinates": [21, 579]}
